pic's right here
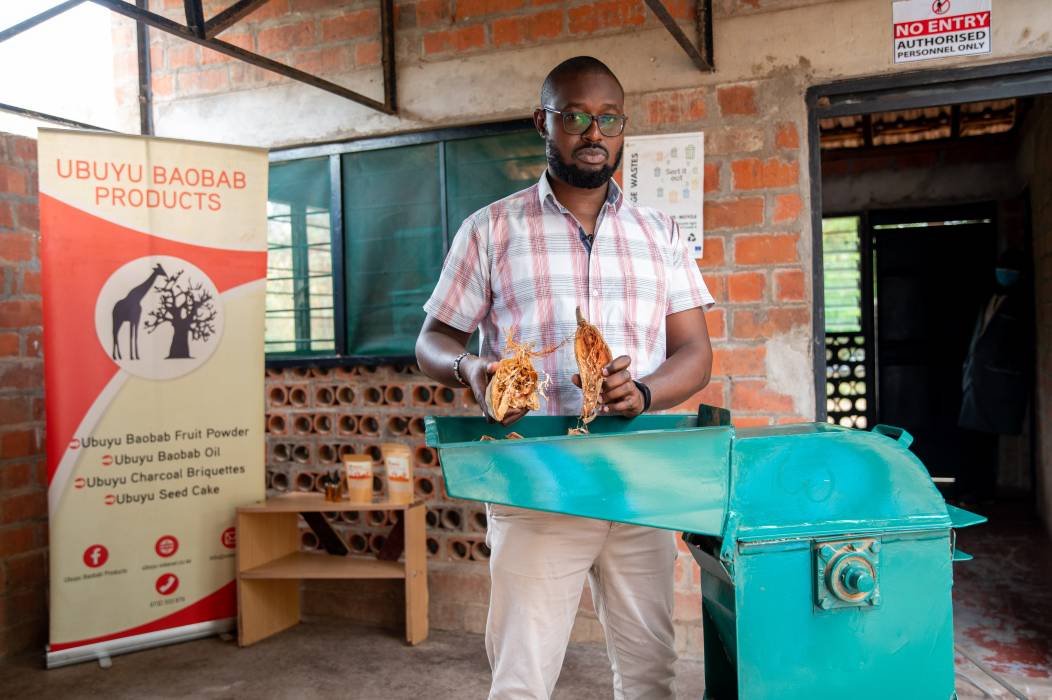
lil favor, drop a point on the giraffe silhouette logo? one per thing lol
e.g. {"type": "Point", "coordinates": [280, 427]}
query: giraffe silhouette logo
{"type": "Point", "coordinates": [159, 317]}
{"type": "Point", "coordinates": [128, 309]}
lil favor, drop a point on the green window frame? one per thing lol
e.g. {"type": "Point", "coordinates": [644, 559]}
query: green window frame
{"type": "Point", "coordinates": [358, 232]}
{"type": "Point", "coordinates": [299, 299]}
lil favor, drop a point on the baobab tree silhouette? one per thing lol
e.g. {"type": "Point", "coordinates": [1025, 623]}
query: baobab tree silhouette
{"type": "Point", "coordinates": [188, 308]}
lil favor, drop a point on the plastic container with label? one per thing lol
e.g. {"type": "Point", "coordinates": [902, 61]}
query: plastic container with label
{"type": "Point", "coordinates": [398, 464]}
{"type": "Point", "coordinates": [358, 473]}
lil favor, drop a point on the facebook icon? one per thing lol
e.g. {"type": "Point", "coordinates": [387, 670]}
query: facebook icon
{"type": "Point", "coordinates": [96, 555]}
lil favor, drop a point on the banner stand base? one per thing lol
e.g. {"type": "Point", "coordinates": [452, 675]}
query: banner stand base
{"type": "Point", "coordinates": [102, 651]}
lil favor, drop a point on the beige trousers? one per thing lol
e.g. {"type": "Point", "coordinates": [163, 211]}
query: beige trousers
{"type": "Point", "coordinates": [538, 565]}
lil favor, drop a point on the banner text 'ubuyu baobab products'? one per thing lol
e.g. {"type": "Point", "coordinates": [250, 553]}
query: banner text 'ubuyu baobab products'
{"type": "Point", "coordinates": [153, 256]}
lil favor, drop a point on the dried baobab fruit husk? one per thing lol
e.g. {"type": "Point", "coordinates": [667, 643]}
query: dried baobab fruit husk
{"type": "Point", "coordinates": [515, 384]}
{"type": "Point", "coordinates": [592, 355]}
{"type": "Point", "coordinates": [510, 436]}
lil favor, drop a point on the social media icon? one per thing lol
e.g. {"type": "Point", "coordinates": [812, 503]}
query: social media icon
{"type": "Point", "coordinates": [96, 555]}
{"type": "Point", "coordinates": [166, 546]}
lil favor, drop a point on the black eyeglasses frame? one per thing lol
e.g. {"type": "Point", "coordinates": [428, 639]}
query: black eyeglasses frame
{"type": "Point", "coordinates": [622, 120]}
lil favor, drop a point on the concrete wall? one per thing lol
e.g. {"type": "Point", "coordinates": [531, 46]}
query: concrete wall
{"type": "Point", "coordinates": [973, 170]}
{"type": "Point", "coordinates": [492, 55]}
{"type": "Point", "coordinates": [1034, 159]}
{"type": "Point", "coordinates": [23, 476]}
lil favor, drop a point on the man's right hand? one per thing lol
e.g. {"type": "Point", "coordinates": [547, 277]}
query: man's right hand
{"type": "Point", "coordinates": [479, 374]}
{"type": "Point", "coordinates": [436, 347]}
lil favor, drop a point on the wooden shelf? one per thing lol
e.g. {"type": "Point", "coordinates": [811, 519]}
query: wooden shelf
{"type": "Point", "coordinates": [315, 502]}
{"type": "Point", "coordinates": [304, 565]}
{"type": "Point", "coordinates": [270, 563]}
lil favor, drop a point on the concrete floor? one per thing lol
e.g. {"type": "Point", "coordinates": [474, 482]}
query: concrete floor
{"type": "Point", "coordinates": [334, 659]}
{"type": "Point", "coordinates": [1003, 603]}
{"type": "Point", "coordinates": [331, 659]}
{"type": "Point", "coordinates": [1003, 620]}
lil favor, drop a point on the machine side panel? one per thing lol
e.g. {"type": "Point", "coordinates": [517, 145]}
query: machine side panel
{"type": "Point", "coordinates": [789, 648]}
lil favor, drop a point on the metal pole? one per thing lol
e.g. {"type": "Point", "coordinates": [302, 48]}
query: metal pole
{"type": "Point", "coordinates": [231, 15]}
{"type": "Point", "coordinates": [195, 17]}
{"type": "Point", "coordinates": [387, 58]}
{"type": "Point", "coordinates": [167, 25]}
{"type": "Point", "coordinates": [663, 15]}
{"type": "Point", "coordinates": [142, 46]}
{"type": "Point", "coordinates": [42, 116]}
{"type": "Point", "coordinates": [37, 19]}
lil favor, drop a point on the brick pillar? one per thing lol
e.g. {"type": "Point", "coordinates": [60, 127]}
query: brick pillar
{"type": "Point", "coordinates": [23, 479]}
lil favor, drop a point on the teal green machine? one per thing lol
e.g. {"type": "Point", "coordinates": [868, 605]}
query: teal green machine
{"type": "Point", "coordinates": [826, 553]}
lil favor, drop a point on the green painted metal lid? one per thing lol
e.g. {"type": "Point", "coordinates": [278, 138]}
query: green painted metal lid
{"type": "Point", "coordinates": [657, 470]}
{"type": "Point", "coordinates": [815, 479]}
{"type": "Point", "coordinates": [675, 472]}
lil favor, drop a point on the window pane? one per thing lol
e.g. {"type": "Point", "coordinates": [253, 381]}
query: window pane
{"type": "Point", "coordinates": [393, 232]}
{"type": "Point", "coordinates": [482, 170]}
{"type": "Point", "coordinates": [299, 260]}
{"type": "Point", "coordinates": [393, 243]}
{"type": "Point", "coordinates": [842, 273]}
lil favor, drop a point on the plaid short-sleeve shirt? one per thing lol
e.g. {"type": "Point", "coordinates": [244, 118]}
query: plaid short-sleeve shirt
{"type": "Point", "coordinates": [525, 263]}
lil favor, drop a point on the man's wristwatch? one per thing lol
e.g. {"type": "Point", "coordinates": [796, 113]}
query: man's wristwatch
{"type": "Point", "coordinates": [456, 368]}
{"type": "Point", "coordinates": [645, 391]}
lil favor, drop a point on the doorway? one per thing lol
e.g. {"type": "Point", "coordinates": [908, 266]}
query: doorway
{"type": "Point", "coordinates": [916, 207]}
{"type": "Point", "coordinates": [920, 184]}
{"type": "Point", "coordinates": [944, 257]}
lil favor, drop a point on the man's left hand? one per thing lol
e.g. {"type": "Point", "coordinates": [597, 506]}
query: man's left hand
{"type": "Point", "coordinates": [620, 395]}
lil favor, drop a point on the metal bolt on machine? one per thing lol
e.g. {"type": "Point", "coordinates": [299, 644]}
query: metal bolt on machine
{"type": "Point", "coordinates": [826, 553]}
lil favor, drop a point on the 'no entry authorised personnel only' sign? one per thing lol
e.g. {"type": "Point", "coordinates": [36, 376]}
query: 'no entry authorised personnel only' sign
{"type": "Point", "coordinates": [927, 29]}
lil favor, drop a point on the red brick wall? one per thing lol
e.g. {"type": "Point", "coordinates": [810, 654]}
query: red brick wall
{"type": "Point", "coordinates": [331, 37]}
{"type": "Point", "coordinates": [756, 248]}
{"type": "Point", "coordinates": [753, 263]}
{"type": "Point", "coordinates": [23, 496]}
{"type": "Point", "coordinates": [755, 224]}
{"type": "Point", "coordinates": [755, 208]}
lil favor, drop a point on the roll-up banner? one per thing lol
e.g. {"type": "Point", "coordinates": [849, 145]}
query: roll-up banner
{"type": "Point", "coordinates": [153, 255]}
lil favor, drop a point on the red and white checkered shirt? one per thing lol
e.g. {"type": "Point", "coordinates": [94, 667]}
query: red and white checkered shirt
{"type": "Point", "coordinates": [524, 263]}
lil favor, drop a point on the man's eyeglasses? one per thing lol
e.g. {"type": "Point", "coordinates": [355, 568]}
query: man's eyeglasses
{"type": "Point", "coordinates": [576, 123]}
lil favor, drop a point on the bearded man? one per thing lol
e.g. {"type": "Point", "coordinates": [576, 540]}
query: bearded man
{"type": "Point", "coordinates": [528, 262]}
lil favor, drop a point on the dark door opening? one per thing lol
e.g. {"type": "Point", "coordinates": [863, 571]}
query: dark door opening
{"type": "Point", "coordinates": [921, 204]}
{"type": "Point", "coordinates": [933, 272]}
{"type": "Point", "coordinates": [919, 183]}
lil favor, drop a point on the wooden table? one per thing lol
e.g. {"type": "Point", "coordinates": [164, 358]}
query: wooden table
{"type": "Point", "coordinates": [270, 564]}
